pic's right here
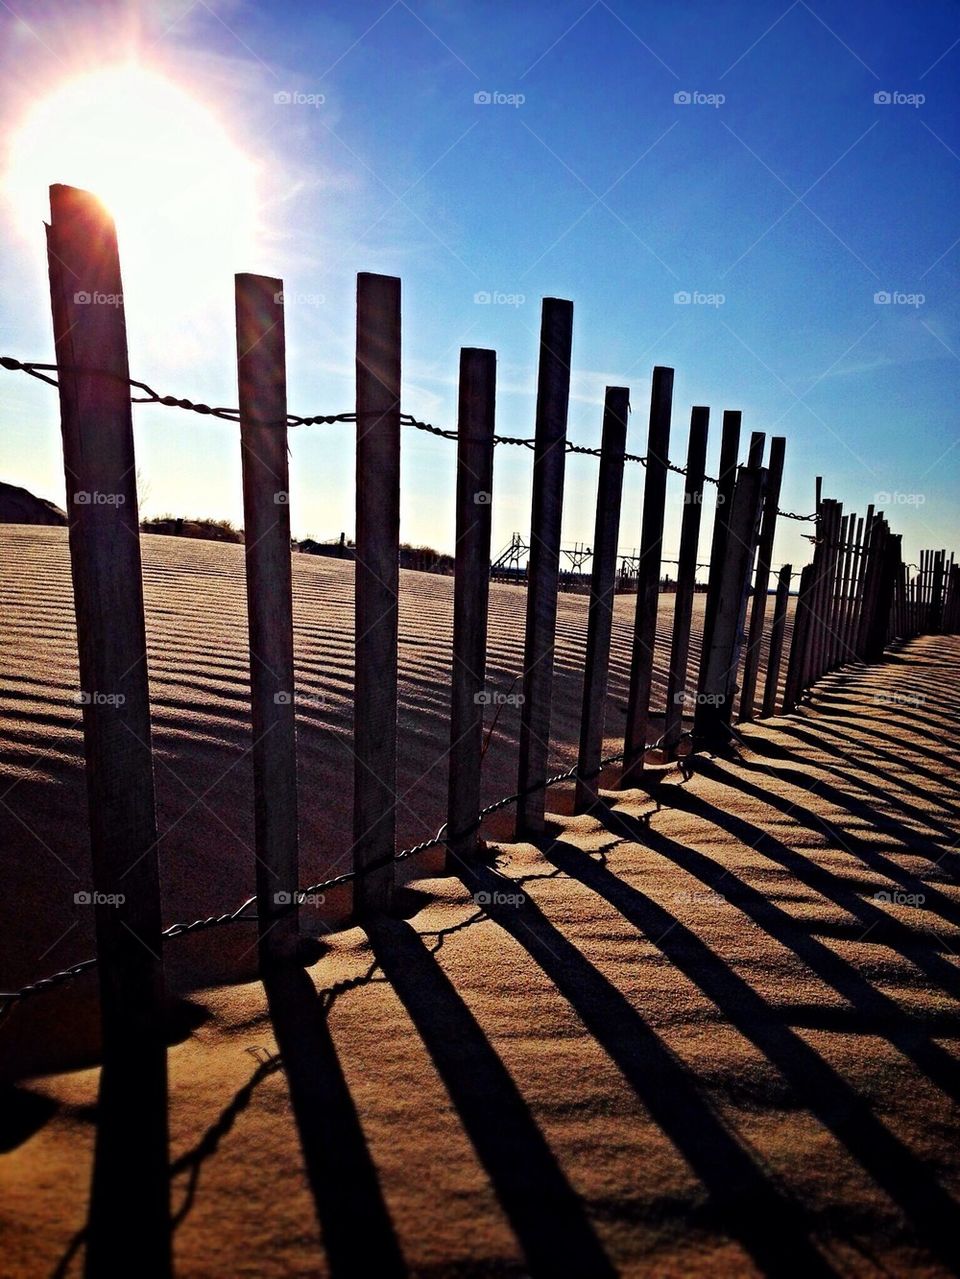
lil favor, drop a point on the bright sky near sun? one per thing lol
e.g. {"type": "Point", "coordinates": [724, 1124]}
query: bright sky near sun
{"type": "Point", "coordinates": [761, 194]}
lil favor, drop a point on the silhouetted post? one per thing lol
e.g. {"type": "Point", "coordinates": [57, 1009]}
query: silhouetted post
{"type": "Point", "coordinates": [543, 574]}
{"type": "Point", "coordinates": [648, 574]}
{"type": "Point", "coordinates": [857, 625]}
{"type": "Point", "coordinates": [726, 481]}
{"type": "Point", "coordinates": [261, 374]}
{"type": "Point", "coordinates": [129, 1224]}
{"type": "Point", "coordinates": [870, 582]}
{"type": "Point", "coordinates": [846, 587]}
{"type": "Point", "coordinates": [471, 591]}
{"type": "Point", "coordinates": [755, 451]}
{"type": "Point", "coordinates": [377, 590]}
{"type": "Point", "coordinates": [799, 644]}
{"type": "Point", "coordinates": [936, 593]}
{"type": "Point", "coordinates": [856, 565]}
{"type": "Point", "coordinates": [723, 658]}
{"type": "Point", "coordinates": [833, 587]}
{"type": "Point", "coordinates": [768, 529]}
{"type": "Point", "coordinates": [686, 577]}
{"type": "Point", "coordinates": [883, 601]}
{"type": "Point", "coordinates": [602, 585]}
{"type": "Point", "coordinates": [774, 660]}
{"type": "Point", "coordinates": [821, 592]}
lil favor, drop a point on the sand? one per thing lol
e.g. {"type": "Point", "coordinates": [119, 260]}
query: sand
{"type": "Point", "coordinates": [686, 1038]}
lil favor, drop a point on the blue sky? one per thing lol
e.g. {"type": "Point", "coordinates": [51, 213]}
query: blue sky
{"type": "Point", "coordinates": [783, 196]}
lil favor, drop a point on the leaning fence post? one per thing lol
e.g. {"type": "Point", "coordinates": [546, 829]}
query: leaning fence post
{"type": "Point", "coordinates": [602, 583]}
{"type": "Point", "coordinates": [800, 641]}
{"type": "Point", "coordinates": [936, 593]}
{"type": "Point", "coordinates": [377, 590]}
{"type": "Point", "coordinates": [726, 481]}
{"type": "Point", "coordinates": [543, 572]}
{"type": "Point", "coordinates": [266, 522]}
{"type": "Point", "coordinates": [778, 627]}
{"type": "Point", "coordinates": [471, 591]}
{"type": "Point", "coordinates": [129, 1226]}
{"type": "Point", "coordinates": [723, 659]}
{"type": "Point", "coordinates": [768, 528]}
{"type": "Point", "coordinates": [686, 578]}
{"type": "Point", "coordinates": [648, 574]}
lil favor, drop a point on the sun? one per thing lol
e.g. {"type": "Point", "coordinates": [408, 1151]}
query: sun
{"type": "Point", "coordinates": [181, 191]}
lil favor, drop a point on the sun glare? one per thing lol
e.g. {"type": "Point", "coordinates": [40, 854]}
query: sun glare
{"type": "Point", "coordinates": [181, 191]}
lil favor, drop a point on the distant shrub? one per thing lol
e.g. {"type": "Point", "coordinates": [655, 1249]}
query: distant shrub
{"type": "Point", "coordinates": [178, 526]}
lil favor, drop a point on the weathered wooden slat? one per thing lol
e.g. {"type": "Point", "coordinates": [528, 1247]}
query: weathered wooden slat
{"type": "Point", "coordinates": [471, 590]}
{"type": "Point", "coordinates": [726, 481]}
{"type": "Point", "coordinates": [261, 372]}
{"type": "Point", "coordinates": [758, 608]}
{"type": "Point", "coordinates": [129, 1225]}
{"type": "Point", "coordinates": [377, 590]}
{"type": "Point", "coordinates": [602, 584]}
{"type": "Point", "coordinates": [686, 578]}
{"type": "Point", "coordinates": [543, 573]}
{"type": "Point", "coordinates": [648, 574]}
{"type": "Point", "coordinates": [771, 690]}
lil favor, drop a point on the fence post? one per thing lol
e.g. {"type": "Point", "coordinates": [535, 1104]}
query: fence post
{"type": "Point", "coordinates": [686, 578]}
{"type": "Point", "coordinates": [870, 582]}
{"type": "Point", "coordinates": [857, 619]}
{"type": "Point", "coordinates": [774, 660]}
{"type": "Point", "coordinates": [854, 527]}
{"type": "Point", "coordinates": [129, 1225]}
{"type": "Point", "coordinates": [726, 481]}
{"type": "Point", "coordinates": [768, 529]}
{"type": "Point", "coordinates": [648, 574]}
{"type": "Point", "coordinates": [799, 644]}
{"type": "Point", "coordinates": [723, 659]}
{"type": "Point", "coordinates": [602, 584]}
{"type": "Point", "coordinates": [543, 572]}
{"type": "Point", "coordinates": [889, 558]}
{"type": "Point", "coordinates": [266, 520]}
{"type": "Point", "coordinates": [377, 590]}
{"type": "Point", "coordinates": [936, 598]}
{"type": "Point", "coordinates": [471, 591]}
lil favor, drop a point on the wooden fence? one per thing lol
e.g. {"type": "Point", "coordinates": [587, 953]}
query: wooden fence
{"type": "Point", "coordinates": [854, 597]}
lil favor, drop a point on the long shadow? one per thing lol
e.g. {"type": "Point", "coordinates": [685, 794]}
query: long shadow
{"type": "Point", "coordinates": [914, 748]}
{"type": "Point", "coordinates": [883, 927]}
{"type": "Point", "coordinates": [358, 1234]}
{"type": "Point", "coordinates": [816, 1085]}
{"type": "Point", "coordinates": [872, 1011]}
{"type": "Point", "coordinates": [772, 1227]}
{"type": "Point", "coordinates": [773, 750]}
{"type": "Point", "coordinates": [922, 815]}
{"type": "Point", "coordinates": [915, 844]}
{"type": "Point", "coordinates": [544, 1210]}
{"type": "Point", "coordinates": [871, 746]}
{"type": "Point", "coordinates": [912, 842]}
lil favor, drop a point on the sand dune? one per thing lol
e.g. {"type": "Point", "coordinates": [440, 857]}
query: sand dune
{"type": "Point", "coordinates": [714, 1034]}
{"type": "Point", "coordinates": [197, 649]}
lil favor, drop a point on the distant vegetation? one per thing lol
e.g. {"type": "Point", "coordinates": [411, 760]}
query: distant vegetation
{"type": "Point", "coordinates": [177, 526]}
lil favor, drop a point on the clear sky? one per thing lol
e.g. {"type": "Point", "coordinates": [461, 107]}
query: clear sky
{"type": "Point", "coordinates": [782, 195]}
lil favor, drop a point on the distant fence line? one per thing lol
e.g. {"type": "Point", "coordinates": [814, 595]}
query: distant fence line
{"type": "Point", "coordinates": [854, 598]}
